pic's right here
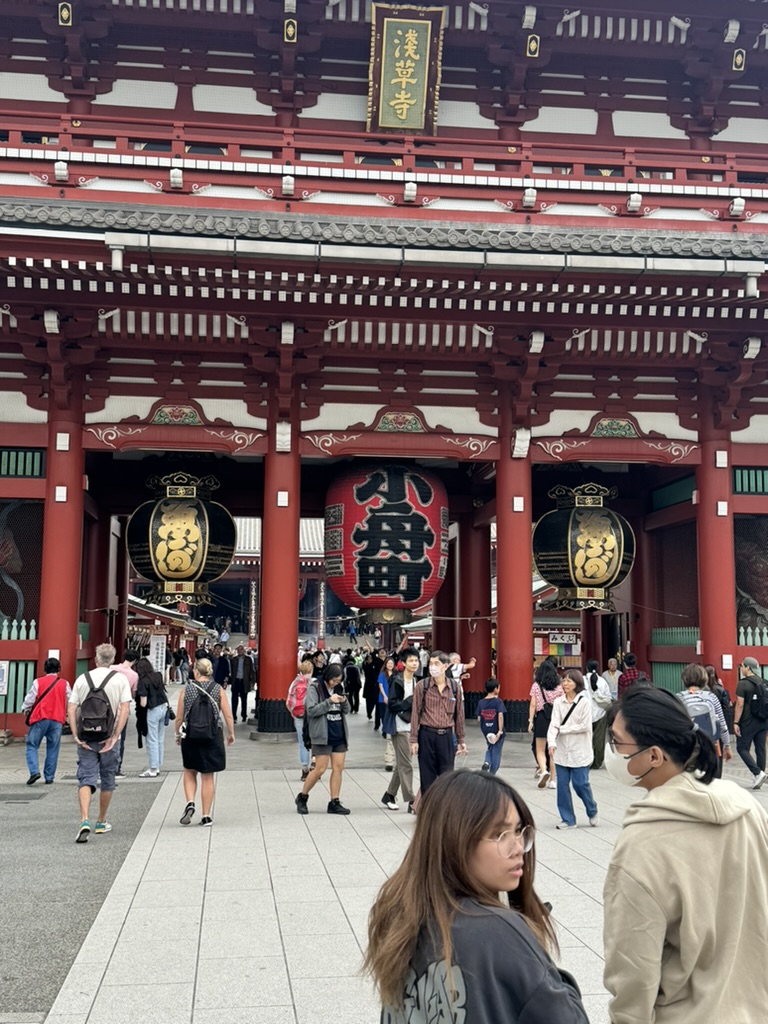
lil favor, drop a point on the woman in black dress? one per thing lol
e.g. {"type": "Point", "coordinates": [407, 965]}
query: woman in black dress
{"type": "Point", "coordinates": [371, 685]}
{"type": "Point", "coordinates": [202, 756]}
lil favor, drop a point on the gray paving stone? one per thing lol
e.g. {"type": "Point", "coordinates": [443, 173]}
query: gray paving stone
{"type": "Point", "coordinates": [150, 1004]}
{"type": "Point", "coordinates": [251, 981]}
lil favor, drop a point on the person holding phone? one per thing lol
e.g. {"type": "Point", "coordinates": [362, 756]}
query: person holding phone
{"type": "Point", "coordinates": [326, 707]}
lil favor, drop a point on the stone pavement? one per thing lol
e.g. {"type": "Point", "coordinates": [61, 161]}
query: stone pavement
{"type": "Point", "coordinates": [262, 918]}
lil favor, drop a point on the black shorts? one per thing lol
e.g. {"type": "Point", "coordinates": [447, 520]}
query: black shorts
{"type": "Point", "coordinates": [326, 749]}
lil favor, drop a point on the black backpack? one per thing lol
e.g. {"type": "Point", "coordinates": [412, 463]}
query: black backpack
{"type": "Point", "coordinates": [202, 721]}
{"type": "Point", "coordinates": [97, 719]}
{"type": "Point", "coordinates": [758, 705]}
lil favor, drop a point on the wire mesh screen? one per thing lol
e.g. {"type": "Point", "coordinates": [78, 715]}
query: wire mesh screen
{"type": "Point", "coordinates": [21, 543]}
{"type": "Point", "coordinates": [750, 536]}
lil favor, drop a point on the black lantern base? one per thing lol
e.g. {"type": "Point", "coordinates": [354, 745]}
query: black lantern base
{"type": "Point", "coordinates": [274, 717]}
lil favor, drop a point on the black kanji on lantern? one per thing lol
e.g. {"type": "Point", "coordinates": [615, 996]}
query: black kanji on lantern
{"type": "Point", "coordinates": [394, 535]}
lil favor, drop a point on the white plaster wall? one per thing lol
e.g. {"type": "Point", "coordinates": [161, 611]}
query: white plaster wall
{"type": "Point", "coordinates": [19, 86]}
{"type": "Point", "coordinates": [755, 433]}
{"type": "Point", "coordinates": [460, 421]}
{"type": "Point", "coordinates": [150, 95]}
{"type": "Point", "coordinates": [563, 121]}
{"type": "Point", "coordinates": [120, 407]}
{"type": "Point", "coordinates": [461, 114]}
{"type": "Point", "coordinates": [665, 423]}
{"type": "Point", "coordinates": [338, 107]}
{"type": "Point", "coordinates": [340, 416]}
{"type": "Point", "coordinates": [745, 129]}
{"type": "Point", "coordinates": [14, 409]}
{"type": "Point", "coordinates": [645, 124]}
{"type": "Point", "coordinates": [563, 420]}
{"type": "Point", "coordinates": [233, 411]}
{"type": "Point", "coordinates": [228, 99]}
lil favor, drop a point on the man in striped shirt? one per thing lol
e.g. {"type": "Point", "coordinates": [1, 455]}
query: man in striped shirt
{"type": "Point", "coordinates": [437, 713]}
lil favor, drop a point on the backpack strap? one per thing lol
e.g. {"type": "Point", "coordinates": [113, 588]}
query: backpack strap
{"type": "Point", "coordinates": [92, 686]}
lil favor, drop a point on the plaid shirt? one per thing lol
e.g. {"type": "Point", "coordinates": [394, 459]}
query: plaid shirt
{"type": "Point", "coordinates": [627, 677]}
{"type": "Point", "coordinates": [437, 710]}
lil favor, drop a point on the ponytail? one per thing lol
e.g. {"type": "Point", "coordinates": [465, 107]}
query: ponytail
{"type": "Point", "coordinates": [703, 761]}
{"type": "Point", "coordinates": [593, 677]}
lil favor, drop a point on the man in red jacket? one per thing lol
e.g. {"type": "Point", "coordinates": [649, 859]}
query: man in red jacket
{"type": "Point", "coordinates": [48, 698]}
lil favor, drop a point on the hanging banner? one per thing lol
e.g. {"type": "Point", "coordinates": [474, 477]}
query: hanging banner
{"type": "Point", "coordinates": [405, 68]}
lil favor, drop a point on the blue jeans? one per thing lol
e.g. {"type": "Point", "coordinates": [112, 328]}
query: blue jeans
{"type": "Point", "coordinates": [51, 730]}
{"type": "Point", "coordinates": [156, 736]}
{"type": "Point", "coordinates": [493, 754]}
{"type": "Point", "coordinates": [304, 756]}
{"type": "Point", "coordinates": [580, 779]}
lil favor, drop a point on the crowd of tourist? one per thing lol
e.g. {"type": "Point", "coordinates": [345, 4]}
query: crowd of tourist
{"type": "Point", "coordinates": [459, 927]}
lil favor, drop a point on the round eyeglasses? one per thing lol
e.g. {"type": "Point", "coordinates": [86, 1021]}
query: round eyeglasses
{"type": "Point", "coordinates": [508, 842]}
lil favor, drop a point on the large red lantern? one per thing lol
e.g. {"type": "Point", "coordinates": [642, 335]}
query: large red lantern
{"type": "Point", "coordinates": [386, 536]}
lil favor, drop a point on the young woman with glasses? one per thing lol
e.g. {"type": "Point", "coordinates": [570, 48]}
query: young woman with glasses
{"type": "Point", "coordinates": [458, 932]}
{"type": "Point", "coordinates": [686, 894]}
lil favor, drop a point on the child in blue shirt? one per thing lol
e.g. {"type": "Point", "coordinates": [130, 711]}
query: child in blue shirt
{"type": "Point", "coordinates": [491, 712]}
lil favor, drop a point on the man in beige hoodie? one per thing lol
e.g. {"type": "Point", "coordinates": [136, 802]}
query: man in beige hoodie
{"type": "Point", "coordinates": [686, 895]}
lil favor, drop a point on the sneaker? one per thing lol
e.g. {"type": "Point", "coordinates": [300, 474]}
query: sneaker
{"type": "Point", "coordinates": [83, 832]}
{"type": "Point", "coordinates": [485, 767]}
{"type": "Point", "coordinates": [49, 782]}
{"type": "Point", "coordinates": [564, 825]}
{"type": "Point", "coordinates": [550, 785]}
{"type": "Point", "coordinates": [389, 767]}
{"type": "Point", "coordinates": [594, 821]}
{"type": "Point", "coordinates": [120, 774]}
{"type": "Point", "coordinates": [206, 821]}
{"type": "Point", "coordinates": [188, 814]}
{"type": "Point", "coordinates": [337, 807]}
{"type": "Point", "coordinates": [411, 808]}
{"type": "Point", "coordinates": [102, 827]}
{"type": "Point", "coordinates": [759, 780]}
{"type": "Point", "coordinates": [301, 803]}
{"type": "Point", "coordinates": [543, 780]}
{"type": "Point", "coordinates": [33, 779]}
{"type": "Point", "coordinates": [390, 803]}
{"type": "Point", "coordinates": [149, 773]}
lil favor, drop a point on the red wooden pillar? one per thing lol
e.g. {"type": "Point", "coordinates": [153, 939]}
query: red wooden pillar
{"type": "Point", "coordinates": [514, 611]}
{"type": "Point", "coordinates": [643, 583]}
{"type": "Point", "coordinates": [716, 558]}
{"type": "Point", "coordinates": [96, 548]}
{"type": "Point", "coordinates": [444, 608]}
{"type": "Point", "coordinates": [62, 534]}
{"type": "Point", "coordinates": [474, 635]}
{"type": "Point", "coordinates": [123, 589]}
{"type": "Point", "coordinates": [278, 646]}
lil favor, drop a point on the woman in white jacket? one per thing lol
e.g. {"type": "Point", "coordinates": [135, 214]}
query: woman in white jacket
{"type": "Point", "coordinates": [569, 740]}
{"type": "Point", "coordinates": [686, 894]}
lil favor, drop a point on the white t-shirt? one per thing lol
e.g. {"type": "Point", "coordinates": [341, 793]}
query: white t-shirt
{"type": "Point", "coordinates": [400, 725]}
{"type": "Point", "coordinates": [118, 689]}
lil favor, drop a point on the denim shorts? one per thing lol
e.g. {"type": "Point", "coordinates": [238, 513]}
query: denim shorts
{"type": "Point", "coordinates": [93, 766]}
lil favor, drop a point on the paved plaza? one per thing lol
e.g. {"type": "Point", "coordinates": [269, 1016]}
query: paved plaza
{"type": "Point", "coordinates": [260, 919]}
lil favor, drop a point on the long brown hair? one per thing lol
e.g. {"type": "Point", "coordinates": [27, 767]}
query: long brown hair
{"type": "Point", "coordinates": [459, 810]}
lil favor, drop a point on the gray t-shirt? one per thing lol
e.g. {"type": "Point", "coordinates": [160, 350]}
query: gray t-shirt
{"type": "Point", "coordinates": [500, 975]}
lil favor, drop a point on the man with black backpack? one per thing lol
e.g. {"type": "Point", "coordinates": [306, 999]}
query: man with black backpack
{"type": "Point", "coordinates": [750, 719]}
{"type": "Point", "coordinates": [98, 710]}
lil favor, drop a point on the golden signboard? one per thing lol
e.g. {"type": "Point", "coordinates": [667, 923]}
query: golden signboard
{"type": "Point", "coordinates": [405, 68]}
